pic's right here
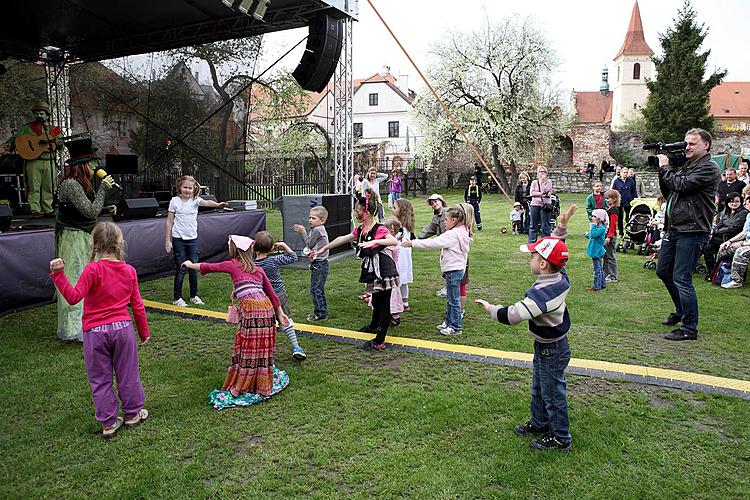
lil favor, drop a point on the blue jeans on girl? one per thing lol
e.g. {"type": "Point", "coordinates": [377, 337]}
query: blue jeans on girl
{"type": "Point", "coordinates": [185, 250]}
{"type": "Point", "coordinates": [599, 281]}
{"type": "Point", "coordinates": [453, 289]}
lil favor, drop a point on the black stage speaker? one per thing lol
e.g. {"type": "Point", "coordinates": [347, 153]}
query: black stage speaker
{"type": "Point", "coordinates": [11, 164]}
{"type": "Point", "coordinates": [5, 216]}
{"type": "Point", "coordinates": [207, 197]}
{"type": "Point", "coordinates": [296, 208]}
{"type": "Point", "coordinates": [136, 208]}
{"type": "Point", "coordinates": [324, 41]}
{"type": "Point", "coordinates": [121, 164]}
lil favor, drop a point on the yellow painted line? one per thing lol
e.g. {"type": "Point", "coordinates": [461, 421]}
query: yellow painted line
{"type": "Point", "coordinates": [583, 364]}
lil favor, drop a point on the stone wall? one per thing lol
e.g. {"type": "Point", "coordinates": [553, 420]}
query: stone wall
{"type": "Point", "coordinates": [565, 182]}
{"type": "Point", "coordinates": [590, 144]}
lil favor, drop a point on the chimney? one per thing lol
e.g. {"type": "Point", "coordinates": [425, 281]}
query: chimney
{"type": "Point", "coordinates": [386, 70]}
{"type": "Point", "coordinates": [403, 84]}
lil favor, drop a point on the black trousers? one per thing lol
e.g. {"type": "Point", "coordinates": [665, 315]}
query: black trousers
{"type": "Point", "coordinates": [381, 314]}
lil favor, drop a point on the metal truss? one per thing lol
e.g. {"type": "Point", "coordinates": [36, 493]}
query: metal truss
{"type": "Point", "coordinates": [343, 133]}
{"type": "Point", "coordinates": [58, 97]}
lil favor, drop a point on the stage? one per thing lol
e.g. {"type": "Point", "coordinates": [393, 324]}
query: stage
{"type": "Point", "coordinates": [26, 253]}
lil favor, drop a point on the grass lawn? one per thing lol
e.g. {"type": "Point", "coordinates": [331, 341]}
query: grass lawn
{"type": "Point", "coordinates": [393, 424]}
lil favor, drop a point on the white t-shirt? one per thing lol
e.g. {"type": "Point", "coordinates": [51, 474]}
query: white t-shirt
{"type": "Point", "coordinates": [185, 224]}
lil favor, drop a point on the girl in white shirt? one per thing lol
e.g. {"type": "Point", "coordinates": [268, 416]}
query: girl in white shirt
{"type": "Point", "coordinates": [181, 235]}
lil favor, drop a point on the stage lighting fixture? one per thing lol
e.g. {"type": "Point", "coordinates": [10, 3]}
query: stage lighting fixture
{"type": "Point", "coordinates": [229, 3]}
{"type": "Point", "coordinates": [255, 8]}
{"type": "Point", "coordinates": [245, 5]}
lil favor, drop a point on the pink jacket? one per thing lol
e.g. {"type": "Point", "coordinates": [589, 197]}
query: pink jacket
{"type": "Point", "coordinates": [454, 245]}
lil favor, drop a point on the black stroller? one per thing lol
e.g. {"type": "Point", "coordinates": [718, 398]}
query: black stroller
{"type": "Point", "coordinates": [639, 230]}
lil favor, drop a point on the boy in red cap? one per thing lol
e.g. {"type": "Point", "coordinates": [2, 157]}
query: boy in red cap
{"type": "Point", "coordinates": [544, 306]}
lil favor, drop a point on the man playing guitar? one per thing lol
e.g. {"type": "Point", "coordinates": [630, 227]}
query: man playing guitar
{"type": "Point", "coordinates": [37, 142]}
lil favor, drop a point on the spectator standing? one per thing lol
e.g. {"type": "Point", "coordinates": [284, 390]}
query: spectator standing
{"type": "Point", "coordinates": [595, 199]}
{"type": "Point", "coordinates": [473, 196]}
{"type": "Point", "coordinates": [640, 186]}
{"type": "Point", "coordinates": [540, 191]}
{"type": "Point", "coordinates": [394, 188]}
{"type": "Point", "coordinates": [372, 181]}
{"type": "Point", "coordinates": [626, 187]}
{"type": "Point", "coordinates": [522, 196]}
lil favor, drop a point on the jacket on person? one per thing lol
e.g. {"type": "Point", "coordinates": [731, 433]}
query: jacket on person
{"type": "Point", "coordinates": [473, 193]}
{"type": "Point", "coordinates": [522, 193]}
{"type": "Point", "coordinates": [591, 204]}
{"type": "Point", "coordinates": [436, 227]}
{"type": "Point", "coordinates": [690, 192]}
{"type": "Point", "coordinates": [627, 190]}
{"type": "Point", "coordinates": [454, 245]}
{"type": "Point", "coordinates": [728, 225]}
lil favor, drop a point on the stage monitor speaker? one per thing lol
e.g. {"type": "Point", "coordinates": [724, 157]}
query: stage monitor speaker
{"type": "Point", "coordinates": [136, 208]}
{"type": "Point", "coordinates": [11, 164]}
{"type": "Point", "coordinates": [5, 216]}
{"type": "Point", "coordinates": [296, 209]}
{"type": "Point", "coordinates": [324, 41]}
{"type": "Point", "coordinates": [207, 197]}
{"type": "Point", "coordinates": [121, 164]}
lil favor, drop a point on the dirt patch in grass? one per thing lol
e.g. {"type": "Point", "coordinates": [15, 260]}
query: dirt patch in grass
{"type": "Point", "coordinates": [658, 402]}
{"type": "Point", "coordinates": [247, 443]}
{"type": "Point", "coordinates": [387, 362]}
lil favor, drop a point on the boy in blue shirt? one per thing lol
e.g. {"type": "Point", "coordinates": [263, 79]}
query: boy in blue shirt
{"type": "Point", "coordinates": [544, 307]}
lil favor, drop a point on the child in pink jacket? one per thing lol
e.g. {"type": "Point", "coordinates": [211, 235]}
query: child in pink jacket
{"type": "Point", "coordinates": [454, 250]}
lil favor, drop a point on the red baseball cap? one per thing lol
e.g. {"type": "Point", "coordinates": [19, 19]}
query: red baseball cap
{"type": "Point", "coordinates": [551, 249]}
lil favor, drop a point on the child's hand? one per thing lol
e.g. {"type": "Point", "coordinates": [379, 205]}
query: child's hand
{"type": "Point", "coordinates": [485, 305]}
{"type": "Point", "coordinates": [188, 264]}
{"type": "Point", "coordinates": [222, 204]}
{"type": "Point", "coordinates": [607, 240]}
{"type": "Point", "coordinates": [283, 319]}
{"type": "Point", "coordinates": [168, 245]}
{"type": "Point", "coordinates": [56, 265]}
{"type": "Point", "coordinates": [367, 244]}
{"type": "Point", "coordinates": [406, 244]}
{"type": "Point", "coordinates": [298, 228]}
{"type": "Point", "coordinates": [145, 341]}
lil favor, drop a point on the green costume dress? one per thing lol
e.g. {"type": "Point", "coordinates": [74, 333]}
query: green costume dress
{"type": "Point", "coordinates": [76, 219]}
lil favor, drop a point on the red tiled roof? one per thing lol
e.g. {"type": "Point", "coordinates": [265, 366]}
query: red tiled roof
{"type": "Point", "coordinates": [730, 100]}
{"type": "Point", "coordinates": [592, 107]}
{"type": "Point", "coordinates": [635, 43]}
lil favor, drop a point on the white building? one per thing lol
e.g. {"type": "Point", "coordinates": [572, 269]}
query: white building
{"type": "Point", "coordinates": [380, 113]}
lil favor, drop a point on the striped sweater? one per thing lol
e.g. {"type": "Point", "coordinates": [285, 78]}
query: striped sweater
{"type": "Point", "coordinates": [543, 306]}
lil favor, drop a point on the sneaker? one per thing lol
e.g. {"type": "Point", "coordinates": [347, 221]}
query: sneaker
{"type": "Point", "coordinates": [372, 346]}
{"type": "Point", "coordinates": [463, 313]}
{"type": "Point", "coordinates": [442, 326]}
{"type": "Point", "coordinates": [450, 331]}
{"type": "Point", "coordinates": [197, 301]}
{"type": "Point", "coordinates": [315, 317]}
{"type": "Point", "coordinates": [299, 354]}
{"type": "Point", "coordinates": [680, 334]}
{"type": "Point", "coordinates": [442, 292]}
{"type": "Point", "coordinates": [611, 279]}
{"type": "Point", "coordinates": [139, 417]}
{"type": "Point", "coordinates": [671, 320]}
{"type": "Point", "coordinates": [528, 428]}
{"type": "Point", "coordinates": [731, 284]}
{"type": "Point", "coordinates": [179, 303]}
{"type": "Point", "coordinates": [591, 289]}
{"type": "Point", "coordinates": [378, 347]}
{"type": "Point", "coordinates": [549, 442]}
{"type": "Point", "coordinates": [407, 307]}
{"type": "Point", "coordinates": [109, 432]}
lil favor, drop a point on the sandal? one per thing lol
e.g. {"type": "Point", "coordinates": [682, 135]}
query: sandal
{"type": "Point", "coordinates": [109, 432]}
{"type": "Point", "coordinates": [139, 417]}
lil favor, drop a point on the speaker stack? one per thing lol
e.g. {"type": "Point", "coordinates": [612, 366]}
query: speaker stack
{"type": "Point", "coordinates": [324, 42]}
{"type": "Point", "coordinates": [136, 208]}
{"type": "Point", "coordinates": [296, 209]}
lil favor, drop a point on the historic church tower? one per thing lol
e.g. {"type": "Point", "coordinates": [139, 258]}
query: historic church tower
{"type": "Point", "coordinates": [633, 66]}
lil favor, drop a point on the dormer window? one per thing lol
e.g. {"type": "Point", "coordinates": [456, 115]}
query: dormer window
{"type": "Point", "coordinates": [637, 71]}
{"type": "Point", "coordinates": [373, 99]}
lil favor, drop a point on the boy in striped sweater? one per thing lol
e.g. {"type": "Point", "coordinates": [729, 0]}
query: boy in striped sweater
{"type": "Point", "coordinates": [544, 307]}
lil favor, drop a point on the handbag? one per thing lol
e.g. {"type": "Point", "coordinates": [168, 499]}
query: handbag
{"type": "Point", "coordinates": [547, 207]}
{"type": "Point", "coordinates": [233, 312]}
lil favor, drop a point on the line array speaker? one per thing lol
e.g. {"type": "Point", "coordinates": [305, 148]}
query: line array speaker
{"type": "Point", "coordinates": [322, 52]}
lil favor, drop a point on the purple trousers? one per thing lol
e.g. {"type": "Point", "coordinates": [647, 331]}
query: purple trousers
{"type": "Point", "coordinates": [113, 347]}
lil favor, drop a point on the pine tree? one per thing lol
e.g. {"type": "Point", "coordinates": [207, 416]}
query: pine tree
{"type": "Point", "coordinates": [679, 97]}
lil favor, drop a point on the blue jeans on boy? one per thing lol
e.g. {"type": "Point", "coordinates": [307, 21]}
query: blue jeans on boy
{"type": "Point", "coordinates": [549, 402]}
{"type": "Point", "coordinates": [678, 256]}
{"type": "Point", "coordinates": [318, 277]}
{"type": "Point", "coordinates": [599, 281]}
{"type": "Point", "coordinates": [539, 216]}
{"type": "Point", "coordinates": [453, 290]}
{"type": "Point", "coordinates": [185, 250]}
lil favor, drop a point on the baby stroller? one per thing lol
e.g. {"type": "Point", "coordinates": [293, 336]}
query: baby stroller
{"type": "Point", "coordinates": [700, 267]}
{"type": "Point", "coordinates": [639, 230]}
{"type": "Point", "coordinates": [555, 212]}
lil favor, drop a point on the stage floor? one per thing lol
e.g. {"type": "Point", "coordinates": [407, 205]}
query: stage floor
{"type": "Point", "coordinates": [26, 252]}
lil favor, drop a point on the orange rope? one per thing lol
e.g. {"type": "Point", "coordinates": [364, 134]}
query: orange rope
{"type": "Point", "coordinates": [460, 129]}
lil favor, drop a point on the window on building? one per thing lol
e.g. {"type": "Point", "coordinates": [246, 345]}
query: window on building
{"type": "Point", "coordinates": [637, 71]}
{"type": "Point", "coordinates": [357, 130]}
{"type": "Point", "coordinates": [373, 99]}
{"type": "Point", "coordinates": [393, 129]}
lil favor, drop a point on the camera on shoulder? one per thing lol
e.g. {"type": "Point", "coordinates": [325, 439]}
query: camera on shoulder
{"type": "Point", "coordinates": [675, 152]}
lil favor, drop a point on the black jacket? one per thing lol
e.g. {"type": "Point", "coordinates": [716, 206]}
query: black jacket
{"type": "Point", "coordinates": [729, 226]}
{"type": "Point", "coordinates": [690, 194]}
{"type": "Point", "coordinates": [522, 194]}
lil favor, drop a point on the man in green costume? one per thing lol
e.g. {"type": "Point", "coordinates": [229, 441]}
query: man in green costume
{"type": "Point", "coordinates": [41, 172]}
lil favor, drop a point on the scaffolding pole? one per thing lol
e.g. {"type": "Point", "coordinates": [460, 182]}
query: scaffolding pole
{"type": "Point", "coordinates": [343, 133]}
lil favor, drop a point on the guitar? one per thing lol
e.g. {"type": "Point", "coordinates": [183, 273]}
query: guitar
{"type": "Point", "coordinates": [31, 147]}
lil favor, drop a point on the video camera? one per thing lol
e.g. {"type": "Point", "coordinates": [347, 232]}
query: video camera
{"type": "Point", "coordinates": [674, 151]}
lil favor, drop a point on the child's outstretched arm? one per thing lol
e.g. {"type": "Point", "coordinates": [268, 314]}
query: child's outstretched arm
{"type": "Point", "coordinates": [288, 256]}
{"type": "Point", "coordinates": [388, 241]}
{"type": "Point", "coordinates": [514, 314]}
{"type": "Point", "coordinates": [72, 294]}
{"type": "Point", "coordinates": [338, 242]}
{"type": "Point", "coordinates": [191, 265]}
{"type": "Point", "coordinates": [212, 203]}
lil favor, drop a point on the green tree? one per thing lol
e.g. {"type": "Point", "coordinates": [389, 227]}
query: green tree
{"type": "Point", "coordinates": [679, 97]}
{"type": "Point", "coordinates": [497, 83]}
{"type": "Point", "coordinates": [20, 88]}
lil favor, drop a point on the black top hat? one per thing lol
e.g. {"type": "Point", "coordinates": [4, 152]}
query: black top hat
{"type": "Point", "coordinates": [81, 150]}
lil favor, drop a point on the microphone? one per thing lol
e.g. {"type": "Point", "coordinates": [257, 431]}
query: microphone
{"type": "Point", "coordinates": [101, 173]}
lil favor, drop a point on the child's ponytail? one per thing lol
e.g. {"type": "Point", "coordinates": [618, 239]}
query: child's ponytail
{"type": "Point", "coordinates": [107, 240]}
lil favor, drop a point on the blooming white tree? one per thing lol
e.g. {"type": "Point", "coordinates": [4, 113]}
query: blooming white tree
{"type": "Point", "coordinates": [497, 83]}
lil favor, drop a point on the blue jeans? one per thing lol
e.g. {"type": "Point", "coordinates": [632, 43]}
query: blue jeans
{"type": "Point", "coordinates": [549, 402]}
{"type": "Point", "coordinates": [318, 277]}
{"type": "Point", "coordinates": [453, 289]}
{"type": "Point", "coordinates": [599, 281]}
{"type": "Point", "coordinates": [678, 256]}
{"type": "Point", "coordinates": [185, 250]}
{"type": "Point", "coordinates": [538, 216]}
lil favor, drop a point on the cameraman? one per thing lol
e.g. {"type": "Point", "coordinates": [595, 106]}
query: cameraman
{"type": "Point", "coordinates": [689, 191]}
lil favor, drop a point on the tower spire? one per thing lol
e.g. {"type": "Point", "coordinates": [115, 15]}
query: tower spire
{"type": "Point", "coordinates": [635, 43]}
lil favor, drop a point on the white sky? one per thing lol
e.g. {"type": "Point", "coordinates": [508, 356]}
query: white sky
{"type": "Point", "coordinates": [586, 34]}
